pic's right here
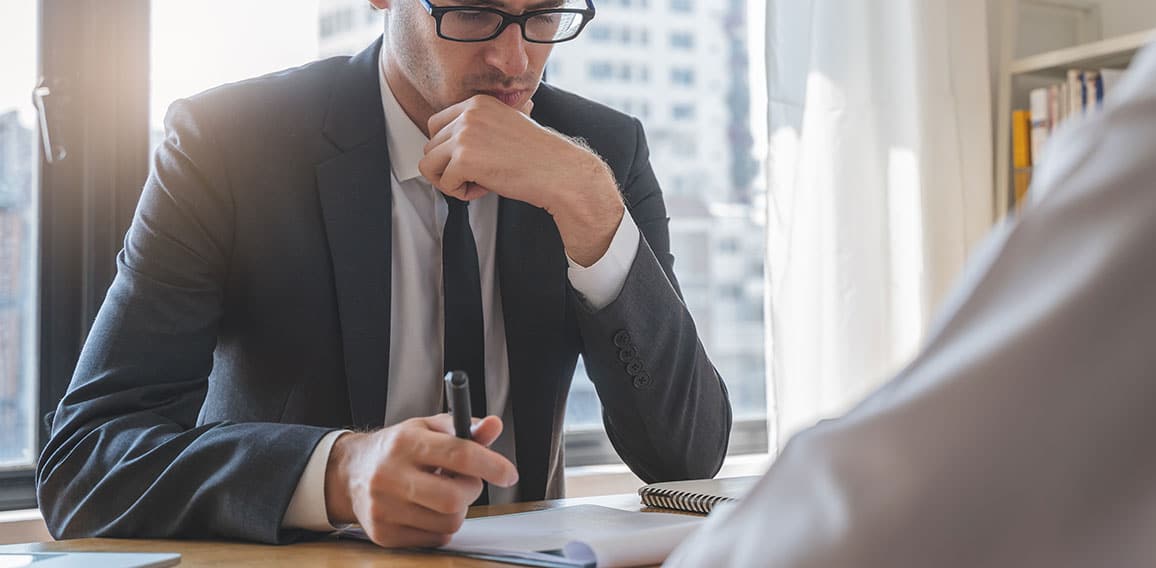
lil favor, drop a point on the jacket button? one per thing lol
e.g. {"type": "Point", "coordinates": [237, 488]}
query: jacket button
{"type": "Point", "coordinates": [634, 367]}
{"type": "Point", "coordinates": [627, 354]}
{"type": "Point", "coordinates": [622, 339]}
{"type": "Point", "coordinates": [642, 381]}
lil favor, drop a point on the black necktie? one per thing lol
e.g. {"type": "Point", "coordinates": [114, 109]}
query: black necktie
{"type": "Point", "coordinates": [465, 346]}
{"type": "Point", "coordinates": [462, 289]}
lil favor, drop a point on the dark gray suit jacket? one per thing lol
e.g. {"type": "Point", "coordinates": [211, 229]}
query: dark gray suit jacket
{"type": "Point", "coordinates": [250, 315]}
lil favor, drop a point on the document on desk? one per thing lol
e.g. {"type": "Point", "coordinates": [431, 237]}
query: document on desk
{"type": "Point", "coordinates": [582, 536]}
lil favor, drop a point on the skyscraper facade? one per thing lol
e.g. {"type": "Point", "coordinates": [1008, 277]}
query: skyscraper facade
{"type": "Point", "coordinates": [17, 292]}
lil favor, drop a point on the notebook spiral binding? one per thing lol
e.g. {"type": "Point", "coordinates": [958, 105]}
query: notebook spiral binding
{"type": "Point", "coordinates": [680, 500]}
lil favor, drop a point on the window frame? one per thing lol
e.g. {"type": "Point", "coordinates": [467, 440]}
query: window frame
{"type": "Point", "coordinates": [102, 126]}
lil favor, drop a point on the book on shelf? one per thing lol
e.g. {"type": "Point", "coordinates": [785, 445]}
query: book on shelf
{"type": "Point", "coordinates": [1021, 153]}
{"type": "Point", "coordinates": [1081, 93]}
{"type": "Point", "coordinates": [1041, 122]}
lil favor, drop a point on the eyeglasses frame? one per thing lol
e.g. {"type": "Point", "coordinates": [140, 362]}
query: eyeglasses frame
{"type": "Point", "coordinates": [507, 19]}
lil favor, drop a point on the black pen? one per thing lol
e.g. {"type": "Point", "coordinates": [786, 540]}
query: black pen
{"type": "Point", "coordinates": [458, 395]}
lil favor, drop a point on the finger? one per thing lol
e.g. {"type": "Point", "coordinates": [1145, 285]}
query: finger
{"type": "Point", "coordinates": [454, 180]}
{"type": "Point", "coordinates": [488, 427]}
{"type": "Point", "coordinates": [464, 457]}
{"type": "Point", "coordinates": [474, 191]}
{"type": "Point", "coordinates": [441, 119]}
{"type": "Point", "coordinates": [441, 136]}
{"type": "Point", "coordinates": [485, 432]}
{"type": "Point", "coordinates": [443, 423]}
{"type": "Point", "coordinates": [528, 107]}
{"type": "Point", "coordinates": [433, 165]}
{"type": "Point", "coordinates": [400, 536]}
{"type": "Point", "coordinates": [421, 518]}
{"type": "Point", "coordinates": [471, 459]}
{"type": "Point", "coordinates": [444, 494]}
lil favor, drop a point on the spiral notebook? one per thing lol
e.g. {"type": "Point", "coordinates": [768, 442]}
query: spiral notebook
{"type": "Point", "coordinates": [698, 496]}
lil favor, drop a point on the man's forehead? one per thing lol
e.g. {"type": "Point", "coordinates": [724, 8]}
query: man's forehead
{"type": "Point", "coordinates": [517, 5]}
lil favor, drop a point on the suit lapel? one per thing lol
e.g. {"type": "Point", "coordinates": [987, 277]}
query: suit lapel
{"type": "Point", "coordinates": [355, 194]}
{"type": "Point", "coordinates": [532, 272]}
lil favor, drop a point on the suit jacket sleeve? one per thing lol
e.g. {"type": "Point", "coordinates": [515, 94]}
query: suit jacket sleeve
{"type": "Point", "coordinates": [664, 405]}
{"type": "Point", "coordinates": [1022, 434]}
{"type": "Point", "coordinates": [126, 457]}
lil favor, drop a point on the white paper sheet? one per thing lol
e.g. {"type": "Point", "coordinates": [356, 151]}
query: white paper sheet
{"type": "Point", "coordinates": [585, 534]}
{"type": "Point", "coordinates": [578, 536]}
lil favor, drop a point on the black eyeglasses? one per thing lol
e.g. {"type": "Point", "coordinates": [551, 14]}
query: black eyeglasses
{"type": "Point", "coordinates": [475, 23]}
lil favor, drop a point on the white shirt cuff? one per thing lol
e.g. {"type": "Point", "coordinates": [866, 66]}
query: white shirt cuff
{"type": "Point", "coordinates": [600, 284]}
{"type": "Point", "coordinates": [307, 507]}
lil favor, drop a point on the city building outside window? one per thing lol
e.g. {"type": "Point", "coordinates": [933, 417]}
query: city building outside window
{"type": "Point", "coordinates": [682, 76]}
{"type": "Point", "coordinates": [682, 111]}
{"type": "Point", "coordinates": [18, 238]}
{"type": "Point", "coordinates": [682, 40]}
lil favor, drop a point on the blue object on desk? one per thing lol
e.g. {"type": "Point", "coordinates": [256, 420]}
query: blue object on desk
{"type": "Point", "coordinates": [88, 559]}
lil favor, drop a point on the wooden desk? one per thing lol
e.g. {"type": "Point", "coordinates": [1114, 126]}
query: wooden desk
{"type": "Point", "coordinates": [328, 552]}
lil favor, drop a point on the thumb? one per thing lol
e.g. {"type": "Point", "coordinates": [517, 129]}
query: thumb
{"type": "Point", "coordinates": [528, 107]}
{"type": "Point", "coordinates": [487, 430]}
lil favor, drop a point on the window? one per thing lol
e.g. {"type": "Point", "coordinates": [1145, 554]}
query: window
{"type": "Point", "coordinates": [682, 111]}
{"type": "Point", "coordinates": [18, 237]}
{"type": "Point", "coordinates": [600, 70]}
{"type": "Point", "coordinates": [682, 40]}
{"type": "Point", "coordinates": [716, 228]}
{"type": "Point", "coordinates": [599, 33]}
{"type": "Point", "coordinates": [682, 76]}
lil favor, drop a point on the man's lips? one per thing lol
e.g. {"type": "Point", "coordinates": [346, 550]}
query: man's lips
{"type": "Point", "coordinates": [508, 98]}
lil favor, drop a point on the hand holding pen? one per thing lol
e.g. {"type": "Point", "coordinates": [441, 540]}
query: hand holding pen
{"type": "Point", "coordinates": [389, 481]}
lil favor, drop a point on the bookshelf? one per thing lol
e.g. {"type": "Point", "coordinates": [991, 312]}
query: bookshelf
{"type": "Point", "coordinates": [1019, 75]}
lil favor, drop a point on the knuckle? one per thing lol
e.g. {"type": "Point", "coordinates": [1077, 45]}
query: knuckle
{"type": "Point", "coordinates": [410, 489]}
{"type": "Point", "coordinates": [455, 458]}
{"type": "Point", "coordinates": [443, 502]}
{"type": "Point", "coordinates": [419, 447]}
{"type": "Point", "coordinates": [391, 442]}
{"type": "Point", "coordinates": [465, 156]}
{"type": "Point", "coordinates": [472, 495]}
{"type": "Point", "coordinates": [454, 523]}
{"type": "Point", "coordinates": [474, 488]}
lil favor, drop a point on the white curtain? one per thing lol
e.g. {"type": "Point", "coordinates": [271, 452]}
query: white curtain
{"type": "Point", "coordinates": [880, 182]}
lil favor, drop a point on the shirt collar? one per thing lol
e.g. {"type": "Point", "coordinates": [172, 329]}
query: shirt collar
{"type": "Point", "coordinates": [406, 141]}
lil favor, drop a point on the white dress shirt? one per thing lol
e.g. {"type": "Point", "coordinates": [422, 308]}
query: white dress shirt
{"type": "Point", "coordinates": [416, 322]}
{"type": "Point", "coordinates": [1022, 435]}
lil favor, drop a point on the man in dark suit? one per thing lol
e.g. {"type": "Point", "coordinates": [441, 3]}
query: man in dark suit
{"type": "Point", "coordinates": [315, 248]}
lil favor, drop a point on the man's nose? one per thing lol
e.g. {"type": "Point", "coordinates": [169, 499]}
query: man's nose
{"type": "Point", "coordinates": [507, 52]}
